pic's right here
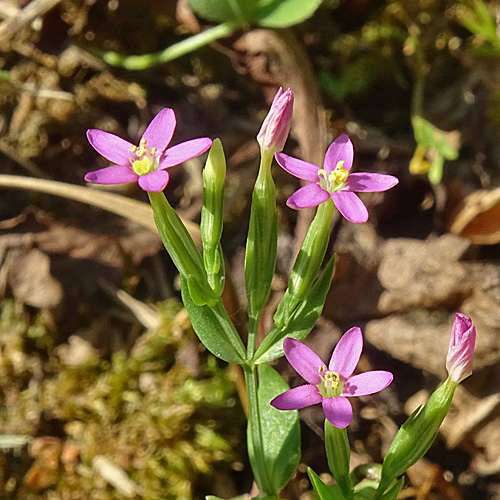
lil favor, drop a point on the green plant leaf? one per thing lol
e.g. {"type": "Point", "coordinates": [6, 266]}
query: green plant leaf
{"type": "Point", "coordinates": [224, 10]}
{"type": "Point", "coordinates": [280, 429]}
{"type": "Point", "coordinates": [284, 13]}
{"type": "Point", "coordinates": [323, 491]}
{"type": "Point", "coordinates": [270, 13]}
{"type": "Point", "coordinates": [214, 328]}
{"type": "Point", "coordinates": [302, 321]}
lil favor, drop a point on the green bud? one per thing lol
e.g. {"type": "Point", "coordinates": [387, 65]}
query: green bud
{"type": "Point", "coordinates": [416, 435]}
{"type": "Point", "coordinates": [307, 264]}
{"type": "Point", "coordinates": [212, 215]}
{"type": "Point", "coordinates": [260, 255]}
{"type": "Point", "coordinates": [182, 249]}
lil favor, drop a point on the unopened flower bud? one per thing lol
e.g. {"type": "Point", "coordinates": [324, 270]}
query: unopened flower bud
{"type": "Point", "coordinates": [461, 349]}
{"type": "Point", "coordinates": [274, 130]}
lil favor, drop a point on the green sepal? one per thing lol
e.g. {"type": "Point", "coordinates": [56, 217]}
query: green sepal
{"type": "Point", "coordinates": [280, 430]}
{"type": "Point", "coordinates": [302, 321]}
{"type": "Point", "coordinates": [212, 216]}
{"type": "Point", "coordinates": [262, 240]}
{"type": "Point", "coordinates": [338, 454]}
{"type": "Point", "coordinates": [324, 491]}
{"type": "Point", "coordinates": [214, 328]}
{"type": "Point", "coordinates": [182, 249]}
{"type": "Point", "coordinates": [367, 490]}
{"type": "Point", "coordinates": [198, 294]}
{"type": "Point", "coordinates": [416, 435]}
{"type": "Point", "coordinates": [307, 264]}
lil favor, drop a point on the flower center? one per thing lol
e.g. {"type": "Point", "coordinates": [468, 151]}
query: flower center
{"type": "Point", "coordinates": [335, 180]}
{"type": "Point", "coordinates": [331, 385]}
{"type": "Point", "coordinates": [143, 159]}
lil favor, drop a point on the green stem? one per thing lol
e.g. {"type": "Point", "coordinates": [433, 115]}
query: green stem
{"type": "Point", "coordinates": [253, 326]}
{"type": "Point", "coordinates": [255, 439]}
{"type": "Point", "coordinates": [184, 47]}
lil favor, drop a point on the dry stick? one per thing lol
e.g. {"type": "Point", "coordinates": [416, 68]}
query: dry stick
{"type": "Point", "coordinates": [134, 210]}
{"type": "Point", "coordinates": [142, 214]}
{"type": "Point", "coordinates": [34, 9]}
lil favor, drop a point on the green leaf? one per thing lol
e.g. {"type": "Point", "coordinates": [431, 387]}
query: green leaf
{"type": "Point", "coordinates": [284, 13]}
{"type": "Point", "coordinates": [302, 321]}
{"type": "Point", "coordinates": [214, 328]}
{"type": "Point", "coordinates": [323, 491]}
{"type": "Point", "coordinates": [280, 429]}
{"type": "Point", "coordinates": [224, 10]}
{"type": "Point", "coordinates": [270, 13]}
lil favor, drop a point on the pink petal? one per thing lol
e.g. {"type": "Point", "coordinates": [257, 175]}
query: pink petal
{"type": "Point", "coordinates": [310, 195]}
{"type": "Point", "coordinates": [367, 383]}
{"type": "Point", "coordinates": [298, 168]}
{"type": "Point", "coordinates": [116, 174]}
{"type": "Point", "coordinates": [300, 397]}
{"type": "Point", "coordinates": [364, 182]}
{"type": "Point", "coordinates": [303, 359]}
{"type": "Point", "coordinates": [112, 147]}
{"type": "Point", "coordinates": [155, 181]}
{"type": "Point", "coordinates": [159, 132]}
{"type": "Point", "coordinates": [350, 206]}
{"type": "Point", "coordinates": [461, 348]}
{"type": "Point", "coordinates": [347, 352]}
{"type": "Point", "coordinates": [184, 151]}
{"type": "Point", "coordinates": [338, 411]}
{"type": "Point", "coordinates": [340, 150]}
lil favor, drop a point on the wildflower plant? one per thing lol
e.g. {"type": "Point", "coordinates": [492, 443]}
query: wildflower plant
{"type": "Point", "coordinates": [273, 431]}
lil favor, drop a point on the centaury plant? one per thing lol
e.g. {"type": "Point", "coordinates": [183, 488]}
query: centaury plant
{"type": "Point", "coordinates": [273, 431]}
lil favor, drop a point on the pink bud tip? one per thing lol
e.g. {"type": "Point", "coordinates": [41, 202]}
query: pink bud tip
{"type": "Point", "coordinates": [274, 130]}
{"type": "Point", "coordinates": [461, 349]}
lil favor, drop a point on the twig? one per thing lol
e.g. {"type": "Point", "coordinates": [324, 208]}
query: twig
{"type": "Point", "coordinates": [34, 9]}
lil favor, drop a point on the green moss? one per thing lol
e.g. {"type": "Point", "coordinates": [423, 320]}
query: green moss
{"type": "Point", "coordinates": [166, 412]}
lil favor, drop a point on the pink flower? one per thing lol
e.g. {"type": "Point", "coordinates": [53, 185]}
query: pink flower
{"type": "Point", "coordinates": [461, 349]}
{"type": "Point", "coordinates": [334, 181]}
{"type": "Point", "coordinates": [333, 385]}
{"type": "Point", "coordinates": [146, 163]}
{"type": "Point", "coordinates": [274, 130]}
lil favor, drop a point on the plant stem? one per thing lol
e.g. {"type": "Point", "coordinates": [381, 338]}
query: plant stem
{"type": "Point", "coordinates": [182, 48]}
{"type": "Point", "coordinates": [255, 439]}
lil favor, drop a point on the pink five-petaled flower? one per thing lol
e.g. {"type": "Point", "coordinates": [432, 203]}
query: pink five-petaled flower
{"type": "Point", "coordinates": [275, 128]}
{"type": "Point", "coordinates": [334, 180]}
{"type": "Point", "coordinates": [461, 348]}
{"type": "Point", "coordinates": [147, 162]}
{"type": "Point", "coordinates": [333, 385]}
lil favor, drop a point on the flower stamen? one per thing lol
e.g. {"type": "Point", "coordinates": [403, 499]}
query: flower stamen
{"type": "Point", "coordinates": [331, 385]}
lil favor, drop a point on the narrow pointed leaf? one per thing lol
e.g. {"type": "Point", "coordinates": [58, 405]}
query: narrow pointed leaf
{"type": "Point", "coordinates": [214, 328]}
{"type": "Point", "coordinates": [281, 429]}
{"type": "Point", "coordinates": [323, 491]}
{"type": "Point", "coordinates": [303, 318]}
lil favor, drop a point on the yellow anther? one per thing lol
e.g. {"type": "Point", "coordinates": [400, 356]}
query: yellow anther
{"type": "Point", "coordinates": [142, 166]}
{"type": "Point", "coordinates": [339, 175]}
{"type": "Point", "coordinates": [323, 173]}
{"type": "Point", "coordinates": [133, 149]}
